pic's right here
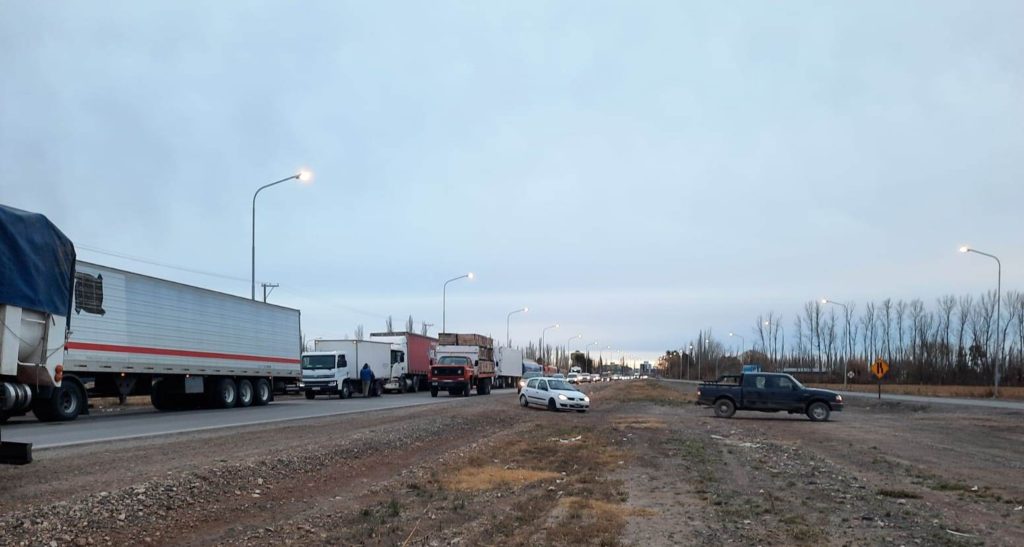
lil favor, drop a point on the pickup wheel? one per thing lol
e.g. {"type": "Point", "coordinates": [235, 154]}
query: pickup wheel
{"type": "Point", "coordinates": [818, 412]}
{"type": "Point", "coordinates": [725, 408]}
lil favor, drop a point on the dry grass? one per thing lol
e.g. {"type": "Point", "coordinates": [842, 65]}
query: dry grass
{"type": "Point", "coordinates": [977, 392]}
{"type": "Point", "coordinates": [646, 392]}
{"type": "Point", "coordinates": [638, 422]}
{"type": "Point", "coordinates": [491, 477]}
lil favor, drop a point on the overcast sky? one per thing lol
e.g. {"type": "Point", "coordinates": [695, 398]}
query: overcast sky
{"type": "Point", "coordinates": [634, 171]}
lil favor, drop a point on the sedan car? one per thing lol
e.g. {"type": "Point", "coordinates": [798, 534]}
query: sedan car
{"type": "Point", "coordinates": [553, 393]}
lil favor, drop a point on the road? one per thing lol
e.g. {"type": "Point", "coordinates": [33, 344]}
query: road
{"type": "Point", "coordinates": [150, 422]}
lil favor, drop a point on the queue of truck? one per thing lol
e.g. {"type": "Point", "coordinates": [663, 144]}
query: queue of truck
{"type": "Point", "coordinates": [72, 330]}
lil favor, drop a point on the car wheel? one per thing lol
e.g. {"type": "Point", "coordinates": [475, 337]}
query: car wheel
{"type": "Point", "coordinates": [551, 405]}
{"type": "Point", "coordinates": [818, 412]}
{"type": "Point", "coordinates": [724, 408]}
{"type": "Point", "coordinates": [523, 402]}
{"type": "Point", "coordinates": [581, 411]}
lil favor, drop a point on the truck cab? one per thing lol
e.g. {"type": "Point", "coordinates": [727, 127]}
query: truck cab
{"type": "Point", "coordinates": [323, 372]}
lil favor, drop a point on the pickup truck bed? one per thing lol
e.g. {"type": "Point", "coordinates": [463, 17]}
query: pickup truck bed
{"type": "Point", "coordinates": [767, 392]}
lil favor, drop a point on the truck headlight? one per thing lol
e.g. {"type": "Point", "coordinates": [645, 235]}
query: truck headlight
{"type": "Point", "coordinates": [563, 398]}
{"type": "Point", "coordinates": [302, 384]}
{"type": "Point", "coordinates": [333, 383]}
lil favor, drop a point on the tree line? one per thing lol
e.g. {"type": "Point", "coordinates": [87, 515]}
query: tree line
{"type": "Point", "coordinates": [951, 340]}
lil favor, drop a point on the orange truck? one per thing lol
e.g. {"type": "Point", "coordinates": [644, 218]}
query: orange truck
{"type": "Point", "coordinates": [462, 362]}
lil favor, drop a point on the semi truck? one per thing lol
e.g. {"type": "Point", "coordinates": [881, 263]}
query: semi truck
{"type": "Point", "coordinates": [334, 366]}
{"type": "Point", "coordinates": [508, 367]}
{"type": "Point", "coordinates": [74, 330]}
{"type": "Point", "coordinates": [419, 353]}
{"type": "Point", "coordinates": [463, 361]}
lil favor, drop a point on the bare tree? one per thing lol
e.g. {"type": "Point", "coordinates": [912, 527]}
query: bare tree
{"type": "Point", "coordinates": [359, 333]}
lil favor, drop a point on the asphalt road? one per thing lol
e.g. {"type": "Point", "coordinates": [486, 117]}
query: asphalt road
{"type": "Point", "coordinates": [148, 422]}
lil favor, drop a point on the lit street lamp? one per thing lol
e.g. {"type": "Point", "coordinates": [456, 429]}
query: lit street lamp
{"type": "Point", "coordinates": [999, 297]}
{"type": "Point", "coordinates": [301, 176]}
{"type": "Point", "coordinates": [508, 339]}
{"type": "Point", "coordinates": [744, 342]}
{"type": "Point", "coordinates": [542, 333]}
{"type": "Point", "coordinates": [444, 299]}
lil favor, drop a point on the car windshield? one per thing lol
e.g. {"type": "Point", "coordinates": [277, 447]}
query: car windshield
{"type": "Point", "coordinates": [559, 384]}
{"type": "Point", "coordinates": [317, 362]}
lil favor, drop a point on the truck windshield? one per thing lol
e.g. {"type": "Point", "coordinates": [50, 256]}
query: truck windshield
{"type": "Point", "coordinates": [454, 360]}
{"type": "Point", "coordinates": [317, 362]}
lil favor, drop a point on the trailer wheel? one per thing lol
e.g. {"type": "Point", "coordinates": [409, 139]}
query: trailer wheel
{"type": "Point", "coordinates": [224, 394]}
{"type": "Point", "coordinates": [65, 404]}
{"type": "Point", "coordinates": [159, 397]}
{"type": "Point", "coordinates": [346, 390]}
{"type": "Point", "coordinates": [261, 392]}
{"type": "Point", "coordinates": [245, 395]}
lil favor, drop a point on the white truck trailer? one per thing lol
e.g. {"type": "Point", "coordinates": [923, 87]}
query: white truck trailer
{"type": "Point", "coordinates": [508, 367]}
{"type": "Point", "coordinates": [334, 366]}
{"type": "Point", "coordinates": [125, 333]}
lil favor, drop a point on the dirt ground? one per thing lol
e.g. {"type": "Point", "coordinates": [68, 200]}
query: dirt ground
{"type": "Point", "coordinates": [643, 467]}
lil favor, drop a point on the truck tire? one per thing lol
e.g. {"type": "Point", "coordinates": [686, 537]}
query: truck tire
{"type": "Point", "coordinates": [261, 393]}
{"type": "Point", "coordinates": [65, 404]}
{"type": "Point", "coordinates": [159, 397]}
{"type": "Point", "coordinates": [466, 389]}
{"type": "Point", "coordinates": [310, 395]}
{"type": "Point", "coordinates": [224, 394]}
{"type": "Point", "coordinates": [818, 411]}
{"type": "Point", "coordinates": [245, 393]}
{"type": "Point", "coordinates": [346, 390]}
{"type": "Point", "coordinates": [415, 387]}
{"type": "Point", "coordinates": [433, 392]}
{"type": "Point", "coordinates": [725, 408]}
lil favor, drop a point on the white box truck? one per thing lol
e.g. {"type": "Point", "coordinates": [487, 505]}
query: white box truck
{"type": "Point", "coordinates": [334, 366]}
{"type": "Point", "coordinates": [124, 333]}
{"type": "Point", "coordinates": [508, 367]}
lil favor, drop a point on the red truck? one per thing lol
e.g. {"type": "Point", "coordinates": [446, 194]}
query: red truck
{"type": "Point", "coordinates": [417, 354]}
{"type": "Point", "coordinates": [462, 361]}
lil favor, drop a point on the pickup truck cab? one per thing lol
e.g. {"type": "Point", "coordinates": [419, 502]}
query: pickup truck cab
{"type": "Point", "coordinates": [767, 392]}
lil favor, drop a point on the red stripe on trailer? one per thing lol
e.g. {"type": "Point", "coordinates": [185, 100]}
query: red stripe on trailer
{"type": "Point", "coordinates": [86, 346]}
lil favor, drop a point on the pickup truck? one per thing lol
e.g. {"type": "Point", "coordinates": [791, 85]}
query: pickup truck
{"type": "Point", "coordinates": [767, 392]}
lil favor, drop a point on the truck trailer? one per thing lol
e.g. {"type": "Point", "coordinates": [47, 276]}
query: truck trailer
{"type": "Point", "coordinates": [333, 367]}
{"type": "Point", "coordinates": [418, 351]}
{"type": "Point", "coordinates": [463, 361]}
{"type": "Point", "coordinates": [125, 333]}
{"type": "Point", "coordinates": [508, 367]}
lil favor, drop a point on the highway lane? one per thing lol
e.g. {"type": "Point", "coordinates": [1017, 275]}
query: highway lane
{"type": "Point", "coordinates": [149, 422]}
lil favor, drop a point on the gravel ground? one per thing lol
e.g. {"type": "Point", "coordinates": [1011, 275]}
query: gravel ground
{"type": "Point", "coordinates": [644, 467]}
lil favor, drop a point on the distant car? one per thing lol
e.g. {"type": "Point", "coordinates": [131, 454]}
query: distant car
{"type": "Point", "coordinates": [573, 378]}
{"type": "Point", "coordinates": [553, 393]}
{"type": "Point", "coordinates": [526, 376]}
{"type": "Point", "coordinates": [558, 375]}
{"type": "Point", "coordinates": [586, 378]}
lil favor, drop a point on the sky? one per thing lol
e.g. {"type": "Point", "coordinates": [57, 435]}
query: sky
{"type": "Point", "coordinates": [632, 171]}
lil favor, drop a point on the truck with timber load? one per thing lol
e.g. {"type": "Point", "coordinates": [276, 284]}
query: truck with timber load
{"type": "Point", "coordinates": [418, 351]}
{"type": "Point", "coordinates": [72, 329]}
{"type": "Point", "coordinates": [462, 362]}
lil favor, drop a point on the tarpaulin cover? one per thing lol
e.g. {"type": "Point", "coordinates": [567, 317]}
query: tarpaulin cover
{"type": "Point", "coordinates": [37, 263]}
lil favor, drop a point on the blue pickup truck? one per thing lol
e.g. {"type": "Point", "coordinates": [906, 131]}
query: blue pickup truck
{"type": "Point", "coordinates": [767, 392]}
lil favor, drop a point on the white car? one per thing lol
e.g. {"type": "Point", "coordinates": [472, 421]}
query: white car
{"type": "Point", "coordinates": [573, 378]}
{"type": "Point", "coordinates": [553, 393]}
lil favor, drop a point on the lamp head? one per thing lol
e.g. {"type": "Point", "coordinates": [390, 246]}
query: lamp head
{"type": "Point", "coordinates": [824, 300]}
{"type": "Point", "coordinates": [964, 248]}
{"type": "Point", "coordinates": [526, 310]}
{"type": "Point", "coordinates": [470, 276]}
{"type": "Point", "coordinates": [304, 175]}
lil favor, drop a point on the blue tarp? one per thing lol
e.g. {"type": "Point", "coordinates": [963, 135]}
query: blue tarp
{"type": "Point", "coordinates": [37, 263]}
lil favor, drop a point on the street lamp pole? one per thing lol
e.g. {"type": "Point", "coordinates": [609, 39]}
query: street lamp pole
{"type": "Point", "coordinates": [743, 341]}
{"type": "Point", "coordinates": [508, 319]}
{"type": "Point", "coordinates": [594, 343]}
{"type": "Point", "coordinates": [302, 176]}
{"type": "Point", "coordinates": [542, 333]}
{"type": "Point", "coordinates": [999, 298]}
{"type": "Point", "coordinates": [444, 299]}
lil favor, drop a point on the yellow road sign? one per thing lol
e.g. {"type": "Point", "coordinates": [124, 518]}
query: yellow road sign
{"type": "Point", "coordinates": [879, 368]}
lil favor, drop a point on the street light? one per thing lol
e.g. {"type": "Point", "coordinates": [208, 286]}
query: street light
{"type": "Point", "coordinates": [744, 341]}
{"type": "Point", "coordinates": [544, 331]}
{"type": "Point", "coordinates": [444, 299]}
{"type": "Point", "coordinates": [508, 339]}
{"type": "Point", "coordinates": [999, 297]}
{"type": "Point", "coordinates": [587, 349]}
{"type": "Point", "coordinates": [302, 176]}
{"type": "Point", "coordinates": [849, 349]}
{"type": "Point", "coordinates": [567, 344]}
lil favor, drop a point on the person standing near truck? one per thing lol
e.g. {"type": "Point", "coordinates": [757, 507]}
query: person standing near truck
{"type": "Point", "coordinates": [366, 375]}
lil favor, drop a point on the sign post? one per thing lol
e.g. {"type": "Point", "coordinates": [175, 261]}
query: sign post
{"type": "Point", "coordinates": [879, 368]}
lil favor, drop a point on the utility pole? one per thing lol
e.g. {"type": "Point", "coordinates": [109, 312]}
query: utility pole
{"type": "Point", "coordinates": [265, 286]}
